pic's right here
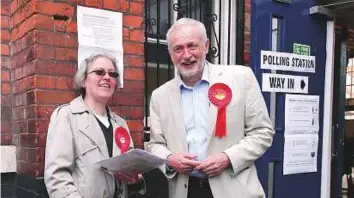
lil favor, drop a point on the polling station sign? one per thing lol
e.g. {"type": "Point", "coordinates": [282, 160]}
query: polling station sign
{"type": "Point", "coordinates": [287, 61]}
{"type": "Point", "coordinates": [284, 83]}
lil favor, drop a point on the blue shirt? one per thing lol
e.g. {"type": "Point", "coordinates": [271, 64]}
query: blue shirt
{"type": "Point", "coordinates": [195, 104]}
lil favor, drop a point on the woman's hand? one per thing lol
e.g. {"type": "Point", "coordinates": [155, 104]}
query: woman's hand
{"type": "Point", "coordinates": [129, 178]}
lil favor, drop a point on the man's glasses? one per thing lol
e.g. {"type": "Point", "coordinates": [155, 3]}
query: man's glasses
{"type": "Point", "coordinates": [102, 72]}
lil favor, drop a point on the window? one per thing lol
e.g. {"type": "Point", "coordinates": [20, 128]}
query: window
{"type": "Point", "coordinates": [161, 14]}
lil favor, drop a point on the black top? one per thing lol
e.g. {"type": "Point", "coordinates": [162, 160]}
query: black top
{"type": "Point", "coordinates": [108, 133]}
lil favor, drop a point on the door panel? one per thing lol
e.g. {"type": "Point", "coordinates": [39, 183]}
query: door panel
{"type": "Point", "coordinates": [297, 27]}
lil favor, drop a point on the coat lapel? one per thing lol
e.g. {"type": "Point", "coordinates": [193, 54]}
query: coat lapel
{"type": "Point", "coordinates": [93, 131]}
{"type": "Point", "coordinates": [89, 125]}
{"type": "Point", "coordinates": [177, 111]}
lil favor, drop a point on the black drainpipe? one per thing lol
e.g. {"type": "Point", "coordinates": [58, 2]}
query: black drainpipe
{"type": "Point", "coordinates": [240, 32]}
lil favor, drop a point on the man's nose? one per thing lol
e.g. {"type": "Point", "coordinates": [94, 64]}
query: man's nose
{"type": "Point", "coordinates": [187, 54]}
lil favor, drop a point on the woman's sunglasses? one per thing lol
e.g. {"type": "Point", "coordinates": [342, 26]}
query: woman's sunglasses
{"type": "Point", "coordinates": [102, 72]}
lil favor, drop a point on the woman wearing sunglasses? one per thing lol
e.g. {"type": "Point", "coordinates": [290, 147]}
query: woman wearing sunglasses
{"type": "Point", "coordinates": [86, 131]}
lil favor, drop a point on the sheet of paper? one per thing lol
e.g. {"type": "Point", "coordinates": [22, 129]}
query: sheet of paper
{"type": "Point", "coordinates": [135, 160]}
{"type": "Point", "coordinates": [301, 114]}
{"type": "Point", "coordinates": [100, 31]}
{"type": "Point", "coordinates": [300, 154]}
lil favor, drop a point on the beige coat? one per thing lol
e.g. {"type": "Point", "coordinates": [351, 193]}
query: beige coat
{"type": "Point", "coordinates": [75, 142]}
{"type": "Point", "coordinates": [249, 133]}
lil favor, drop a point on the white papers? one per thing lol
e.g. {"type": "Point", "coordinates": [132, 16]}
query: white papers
{"type": "Point", "coordinates": [301, 114]}
{"type": "Point", "coordinates": [100, 31]}
{"type": "Point", "coordinates": [301, 133]}
{"type": "Point", "coordinates": [133, 161]}
{"type": "Point", "coordinates": [300, 154]}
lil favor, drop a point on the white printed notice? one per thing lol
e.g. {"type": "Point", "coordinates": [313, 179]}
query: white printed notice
{"type": "Point", "coordinates": [300, 154]}
{"type": "Point", "coordinates": [284, 83]}
{"type": "Point", "coordinates": [100, 31]}
{"type": "Point", "coordinates": [287, 62]}
{"type": "Point", "coordinates": [301, 133]}
{"type": "Point", "coordinates": [301, 114]}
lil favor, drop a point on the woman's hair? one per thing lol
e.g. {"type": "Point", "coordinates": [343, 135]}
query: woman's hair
{"type": "Point", "coordinates": [81, 73]}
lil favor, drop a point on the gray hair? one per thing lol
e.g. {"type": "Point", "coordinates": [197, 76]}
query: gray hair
{"type": "Point", "coordinates": [187, 22]}
{"type": "Point", "coordinates": [81, 73]}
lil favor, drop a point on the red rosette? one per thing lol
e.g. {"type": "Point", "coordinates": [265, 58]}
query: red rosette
{"type": "Point", "coordinates": [122, 139]}
{"type": "Point", "coordinates": [220, 95]}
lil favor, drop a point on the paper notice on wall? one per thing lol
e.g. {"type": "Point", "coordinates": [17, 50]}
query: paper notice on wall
{"type": "Point", "coordinates": [300, 154]}
{"type": "Point", "coordinates": [100, 31]}
{"type": "Point", "coordinates": [301, 114]}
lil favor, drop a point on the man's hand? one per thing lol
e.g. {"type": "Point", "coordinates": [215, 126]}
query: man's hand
{"type": "Point", "coordinates": [214, 164]}
{"type": "Point", "coordinates": [182, 162]}
{"type": "Point", "coordinates": [128, 178]}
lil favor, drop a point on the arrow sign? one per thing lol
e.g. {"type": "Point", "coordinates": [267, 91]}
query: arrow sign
{"type": "Point", "coordinates": [284, 83]}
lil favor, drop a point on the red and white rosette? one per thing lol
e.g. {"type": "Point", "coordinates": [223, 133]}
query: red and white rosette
{"type": "Point", "coordinates": [122, 139]}
{"type": "Point", "coordinates": [220, 95]}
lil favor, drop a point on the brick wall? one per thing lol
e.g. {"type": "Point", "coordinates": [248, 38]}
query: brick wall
{"type": "Point", "coordinates": [6, 115]}
{"type": "Point", "coordinates": [39, 54]}
{"type": "Point", "coordinates": [247, 36]}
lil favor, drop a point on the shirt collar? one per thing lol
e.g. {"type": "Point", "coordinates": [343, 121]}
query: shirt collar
{"type": "Point", "coordinates": [205, 77]}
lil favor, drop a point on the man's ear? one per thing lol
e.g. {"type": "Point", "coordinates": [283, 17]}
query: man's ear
{"type": "Point", "coordinates": [207, 43]}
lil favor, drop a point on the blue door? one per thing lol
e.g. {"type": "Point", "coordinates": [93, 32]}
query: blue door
{"type": "Point", "coordinates": [294, 25]}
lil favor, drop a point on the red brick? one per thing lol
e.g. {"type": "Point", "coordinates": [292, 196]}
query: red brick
{"type": "Point", "coordinates": [124, 4]}
{"type": "Point", "coordinates": [6, 124]}
{"type": "Point", "coordinates": [5, 22]}
{"type": "Point", "coordinates": [45, 52]}
{"type": "Point", "coordinates": [23, 43]}
{"type": "Point", "coordinates": [28, 140]}
{"type": "Point", "coordinates": [13, 6]}
{"type": "Point", "coordinates": [6, 113]}
{"type": "Point", "coordinates": [137, 35]}
{"type": "Point", "coordinates": [134, 61]}
{"type": "Point", "coordinates": [37, 21]}
{"type": "Point", "coordinates": [51, 8]}
{"type": "Point", "coordinates": [53, 97]}
{"type": "Point", "coordinates": [5, 50]}
{"type": "Point", "coordinates": [40, 155]}
{"type": "Point", "coordinates": [5, 36]}
{"type": "Point", "coordinates": [18, 17]}
{"type": "Point", "coordinates": [28, 155]}
{"type": "Point", "coordinates": [42, 138]}
{"type": "Point", "coordinates": [39, 170]}
{"type": "Point", "coordinates": [45, 82]}
{"type": "Point", "coordinates": [37, 126]}
{"type": "Point", "coordinates": [133, 48]}
{"type": "Point", "coordinates": [64, 83]}
{"type": "Point", "coordinates": [138, 139]}
{"type": "Point", "coordinates": [136, 125]}
{"type": "Point", "coordinates": [131, 73]}
{"type": "Point", "coordinates": [137, 8]}
{"type": "Point", "coordinates": [15, 140]}
{"type": "Point", "coordinates": [71, 54]}
{"type": "Point", "coordinates": [5, 76]}
{"type": "Point", "coordinates": [44, 111]}
{"type": "Point", "coordinates": [130, 112]}
{"type": "Point", "coordinates": [126, 33]}
{"type": "Point", "coordinates": [6, 139]}
{"type": "Point", "coordinates": [5, 8]}
{"type": "Point", "coordinates": [125, 99]}
{"type": "Point", "coordinates": [26, 168]}
{"type": "Point", "coordinates": [71, 27]}
{"type": "Point", "coordinates": [5, 88]}
{"type": "Point", "coordinates": [94, 3]}
{"type": "Point", "coordinates": [111, 4]}
{"type": "Point", "coordinates": [5, 62]}
{"type": "Point", "coordinates": [133, 21]}
{"type": "Point", "coordinates": [55, 67]}
{"type": "Point", "coordinates": [134, 86]}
